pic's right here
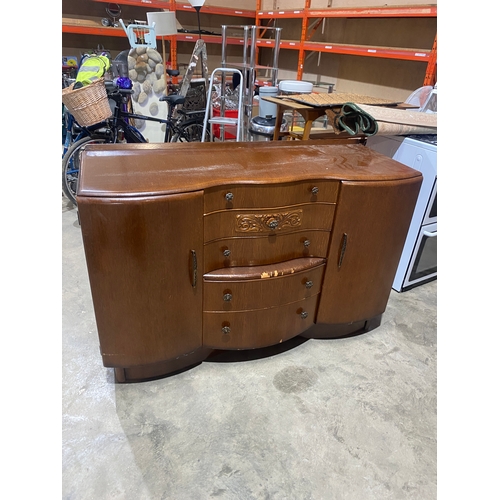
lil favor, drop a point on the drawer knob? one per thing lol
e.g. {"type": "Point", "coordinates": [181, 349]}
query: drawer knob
{"type": "Point", "coordinates": [226, 253]}
{"type": "Point", "coordinates": [229, 196]}
{"type": "Point", "coordinates": [309, 284]}
{"type": "Point", "coordinates": [226, 330]}
{"type": "Point", "coordinates": [304, 314]}
{"type": "Point", "coordinates": [315, 190]}
{"type": "Point", "coordinates": [307, 243]}
{"type": "Point", "coordinates": [227, 297]}
{"type": "Point", "coordinates": [273, 224]}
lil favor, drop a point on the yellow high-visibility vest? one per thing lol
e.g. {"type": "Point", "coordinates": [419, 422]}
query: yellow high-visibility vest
{"type": "Point", "coordinates": [92, 68]}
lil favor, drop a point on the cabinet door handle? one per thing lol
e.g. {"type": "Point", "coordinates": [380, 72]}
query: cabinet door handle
{"type": "Point", "coordinates": [194, 268]}
{"type": "Point", "coordinates": [342, 250]}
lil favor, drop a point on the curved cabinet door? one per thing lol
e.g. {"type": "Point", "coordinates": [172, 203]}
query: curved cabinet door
{"type": "Point", "coordinates": [141, 265]}
{"type": "Point", "coordinates": [369, 231]}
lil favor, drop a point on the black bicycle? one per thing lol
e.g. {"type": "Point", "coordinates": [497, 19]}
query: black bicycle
{"type": "Point", "coordinates": [180, 126]}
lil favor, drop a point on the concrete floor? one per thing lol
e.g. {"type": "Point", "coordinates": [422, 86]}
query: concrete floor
{"type": "Point", "coordinates": [350, 419]}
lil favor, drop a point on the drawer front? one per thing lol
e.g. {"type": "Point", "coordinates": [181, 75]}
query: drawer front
{"type": "Point", "coordinates": [261, 328]}
{"type": "Point", "coordinates": [260, 222]}
{"type": "Point", "coordinates": [270, 195]}
{"type": "Point", "coordinates": [259, 250]}
{"type": "Point", "coordinates": [268, 291]}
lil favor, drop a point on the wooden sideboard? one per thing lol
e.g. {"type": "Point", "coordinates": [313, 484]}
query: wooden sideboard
{"type": "Point", "coordinates": [195, 248]}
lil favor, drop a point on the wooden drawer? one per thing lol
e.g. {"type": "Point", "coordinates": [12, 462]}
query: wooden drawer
{"type": "Point", "coordinates": [271, 195]}
{"type": "Point", "coordinates": [258, 222]}
{"type": "Point", "coordinates": [261, 250]}
{"type": "Point", "coordinates": [260, 328]}
{"type": "Point", "coordinates": [261, 287]}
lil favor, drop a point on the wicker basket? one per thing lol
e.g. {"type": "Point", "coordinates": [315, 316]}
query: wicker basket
{"type": "Point", "coordinates": [89, 104]}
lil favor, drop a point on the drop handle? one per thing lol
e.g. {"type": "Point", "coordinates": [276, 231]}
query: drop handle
{"type": "Point", "coordinates": [342, 249]}
{"type": "Point", "coordinates": [193, 268]}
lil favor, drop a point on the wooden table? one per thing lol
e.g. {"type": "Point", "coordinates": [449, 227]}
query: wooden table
{"type": "Point", "coordinates": [310, 115]}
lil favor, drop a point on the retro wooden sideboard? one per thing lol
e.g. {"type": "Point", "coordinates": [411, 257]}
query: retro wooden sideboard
{"type": "Point", "coordinates": [197, 248]}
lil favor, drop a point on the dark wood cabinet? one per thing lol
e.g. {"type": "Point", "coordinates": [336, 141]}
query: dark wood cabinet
{"type": "Point", "coordinates": [200, 247]}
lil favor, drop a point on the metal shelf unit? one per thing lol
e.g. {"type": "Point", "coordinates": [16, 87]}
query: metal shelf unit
{"type": "Point", "coordinates": [304, 44]}
{"type": "Point", "coordinates": [316, 16]}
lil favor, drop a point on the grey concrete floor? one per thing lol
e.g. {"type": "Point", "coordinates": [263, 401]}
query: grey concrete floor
{"type": "Point", "coordinates": [351, 418]}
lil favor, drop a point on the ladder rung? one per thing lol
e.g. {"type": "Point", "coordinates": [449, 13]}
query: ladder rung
{"type": "Point", "coordinates": [224, 121]}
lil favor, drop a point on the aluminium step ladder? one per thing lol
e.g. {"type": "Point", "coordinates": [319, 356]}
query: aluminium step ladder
{"type": "Point", "coordinates": [223, 120]}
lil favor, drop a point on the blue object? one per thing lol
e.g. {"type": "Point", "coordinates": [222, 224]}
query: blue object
{"type": "Point", "coordinates": [123, 82]}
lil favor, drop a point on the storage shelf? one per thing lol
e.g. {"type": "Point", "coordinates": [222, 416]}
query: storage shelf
{"type": "Point", "coordinates": [302, 45]}
{"type": "Point", "coordinates": [305, 45]}
{"type": "Point", "coordinates": [280, 14]}
{"type": "Point", "coordinates": [93, 30]}
{"type": "Point", "coordinates": [409, 11]}
{"type": "Point", "coordinates": [155, 4]}
{"type": "Point", "coordinates": [224, 11]}
{"type": "Point", "coordinates": [184, 6]}
{"type": "Point", "coordinates": [370, 51]}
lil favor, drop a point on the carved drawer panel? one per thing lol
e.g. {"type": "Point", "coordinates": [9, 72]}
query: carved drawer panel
{"type": "Point", "coordinates": [272, 195]}
{"type": "Point", "coordinates": [260, 250]}
{"type": "Point", "coordinates": [262, 222]}
{"type": "Point", "coordinates": [261, 287]}
{"type": "Point", "coordinates": [258, 328]}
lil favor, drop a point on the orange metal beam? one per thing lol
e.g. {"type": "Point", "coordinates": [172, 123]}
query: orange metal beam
{"type": "Point", "coordinates": [280, 14]}
{"type": "Point", "coordinates": [155, 4]}
{"type": "Point", "coordinates": [303, 35]}
{"type": "Point", "coordinates": [91, 30]}
{"type": "Point", "coordinates": [313, 29]}
{"type": "Point", "coordinates": [361, 50]}
{"type": "Point", "coordinates": [410, 11]}
{"type": "Point", "coordinates": [173, 6]}
{"type": "Point", "coordinates": [224, 11]}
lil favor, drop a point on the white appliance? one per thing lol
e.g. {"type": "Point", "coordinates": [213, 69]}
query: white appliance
{"type": "Point", "coordinates": [418, 263]}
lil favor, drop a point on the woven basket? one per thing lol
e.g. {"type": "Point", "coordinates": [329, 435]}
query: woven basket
{"type": "Point", "coordinates": [89, 104]}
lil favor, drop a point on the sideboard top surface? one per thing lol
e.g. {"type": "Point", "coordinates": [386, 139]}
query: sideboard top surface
{"type": "Point", "coordinates": [124, 170]}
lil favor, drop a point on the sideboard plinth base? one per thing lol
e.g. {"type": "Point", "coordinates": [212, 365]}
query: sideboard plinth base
{"type": "Point", "coordinates": [163, 368]}
{"type": "Point", "coordinates": [333, 331]}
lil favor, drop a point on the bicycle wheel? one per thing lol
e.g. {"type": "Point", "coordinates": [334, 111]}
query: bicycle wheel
{"type": "Point", "coordinates": [71, 166]}
{"type": "Point", "coordinates": [190, 131]}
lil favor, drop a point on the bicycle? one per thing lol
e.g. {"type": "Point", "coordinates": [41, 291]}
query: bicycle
{"type": "Point", "coordinates": [185, 126]}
